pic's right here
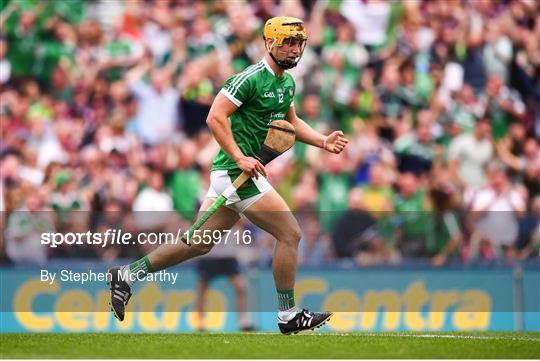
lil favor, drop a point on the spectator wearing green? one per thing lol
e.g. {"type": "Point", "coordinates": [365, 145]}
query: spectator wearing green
{"type": "Point", "coordinates": [311, 112]}
{"type": "Point", "coordinates": [185, 183]}
{"type": "Point", "coordinates": [334, 185]}
{"type": "Point", "coordinates": [447, 236]}
{"type": "Point", "coordinates": [503, 105]}
{"type": "Point", "coordinates": [24, 35]}
{"type": "Point", "coordinates": [66, 197]}
{"type": "Point", "coordinates": [395, 100]}
{"type": "Point", "coordinates": [201, 40]}
{"type": "Point", "coordinates": [195, 86]}
{"type": "Point", "coordinates": [416, 85]}
{"type": "Point", "coordinates": [344, 60]}
{"type": "Point", "coordinates": [40, 34]}
{"type": "Point", "coordinates": [364, 102]}
{"type": "Point", "coordinates": [243, 32]}
{"type": "Point", "coordinates": [464, 109]}
{"type": "Point", "coordinates": [119, 53]}
{"type": "Point", "coordinates": [416, 150]}
{"type": "Point", "coordinates": [413, 217]}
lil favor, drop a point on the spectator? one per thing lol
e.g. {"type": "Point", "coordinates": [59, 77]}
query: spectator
{"type": "Point", "coordinates": [448, 233]}
{"type": "Point", "coordinates": [242, 35]}
{"type": "Point", "coordinates": [377, 194]}
{"type": "Point", "coordinates": [364, 99]}
{"type": "Point", "coordinates": [66, 198]}
{"type": "Point", "coordinates": [334, 185]}
{"type": "Point", "coordinates": [310, 113]}
{"type": "Point", "coordinates": [464, 109]}
{"type": "Point", "coordinates": [157, 118]}
{"type": "Point", "coordinates": [413, 214]}
{"type": "Point", "coordinates": [497, 51]}
{"type": "Point", "coordinates": [112, 218]}
{"type": "Point", "coordinates": [521, 155]}
{"type": "Point", "coordinates": [314, 248]}
{"type": "Point", "coordinates": [352, 225]}
{"type": "Point", "coordinates": [185, 182]}
{"type": "Point", "coordinates": [306, 191]}
{"type": "Point", "coordinates": [202, 41]}
{"type": "Point", "coordinates": [394, 100]}
{"type": "Point", "coordinates": [369, 149]}
{"type": "Point", "coordinates": [345, 59]}
{"type": "Point", "coordinates": [25, 228]}
{"type": "Point", "coordinates": [197, 95]}
{"type": "Point", "coordinates": [503, 105]}
{"type": "Point", "coordinates": [10, 170]}
{"type": "Point", "coordinates": [469, 154]}
{"type": "Point", "coordinates": [416, 152]}
{"type": "Point", "coordinates": [370, 20]}
{"type": "Point", "coordinates": [154, 197]}
{"type": "Point", "coordinates": [22, 24]}
{"type": "Point", "coordinates": [495, 211]}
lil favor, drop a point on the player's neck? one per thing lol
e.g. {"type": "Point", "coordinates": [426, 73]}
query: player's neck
{"type": "Point", "coordinates": [278, 71]}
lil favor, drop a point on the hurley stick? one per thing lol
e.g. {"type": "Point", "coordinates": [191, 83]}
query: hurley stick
{"type": "Point", "coordinates": [280, 138]}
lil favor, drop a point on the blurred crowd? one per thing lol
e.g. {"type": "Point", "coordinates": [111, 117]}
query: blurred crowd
{"type": "Point", "coordinates": [103, 109]}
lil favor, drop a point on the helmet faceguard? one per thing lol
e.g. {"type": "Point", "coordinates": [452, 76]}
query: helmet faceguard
{"type": "Point", "coordinates": [289, 37]}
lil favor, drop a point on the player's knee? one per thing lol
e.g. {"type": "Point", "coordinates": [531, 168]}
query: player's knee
{"type": "Point", "coordinates": [292, 236]}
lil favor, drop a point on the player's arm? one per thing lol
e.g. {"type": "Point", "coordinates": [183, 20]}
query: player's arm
{"type": "Point", "coordinates": [218, 122]}
{"type": "Point", "coordinates": [335, 142]}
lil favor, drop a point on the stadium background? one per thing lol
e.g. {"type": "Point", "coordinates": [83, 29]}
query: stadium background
{"type": "Point", "coordinates": [103, 107]}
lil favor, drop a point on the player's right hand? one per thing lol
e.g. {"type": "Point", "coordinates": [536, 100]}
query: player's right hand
{"type": "Point", "coordinates": [251, 165]}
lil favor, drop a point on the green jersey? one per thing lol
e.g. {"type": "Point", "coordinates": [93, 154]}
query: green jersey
{"type": "Point", "coordinates": [414, 214]}
{"type": "Point", "coordinates": [261, 97]}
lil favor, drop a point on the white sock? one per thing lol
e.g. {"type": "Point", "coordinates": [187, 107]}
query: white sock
{"type": "Point", "coordinates": [287, 315]}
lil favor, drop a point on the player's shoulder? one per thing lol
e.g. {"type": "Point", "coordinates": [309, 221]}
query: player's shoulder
{"type": "Point", "coordinates": [245, 77]}
{"type": "Point", "coordinates": [250, 71]}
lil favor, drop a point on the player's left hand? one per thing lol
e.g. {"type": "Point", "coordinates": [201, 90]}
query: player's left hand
{"type": "Point", "coordinates": [336, 142]}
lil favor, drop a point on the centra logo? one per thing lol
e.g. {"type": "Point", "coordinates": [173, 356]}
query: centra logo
{"type": "Point", "coordinates": [269, 95]}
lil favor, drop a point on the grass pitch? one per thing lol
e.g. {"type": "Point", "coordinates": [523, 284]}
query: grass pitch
{"type": "Point", "coordinates": [269, 345]}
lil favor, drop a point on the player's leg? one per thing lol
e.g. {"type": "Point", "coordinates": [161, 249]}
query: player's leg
{"type": "Point", "coordinates": [201, 298]}
{"type": "Point", "coordinates": [164, 256]}
{"type": "Point", "coordinates": [239, 286]}
{"type": "Point", "coordinates": [272, 214]}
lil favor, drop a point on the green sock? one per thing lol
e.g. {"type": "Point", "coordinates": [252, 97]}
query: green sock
{"type": "Point", "coordinates": [285, 299]}
{"type": "Point", "coordinates": [143, 265]}
{"type": "Point", "coordinates": [137, 270]}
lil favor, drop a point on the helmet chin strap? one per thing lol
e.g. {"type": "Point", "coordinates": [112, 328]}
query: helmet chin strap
{"type": "Point", "coordinates": [284, 64]}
